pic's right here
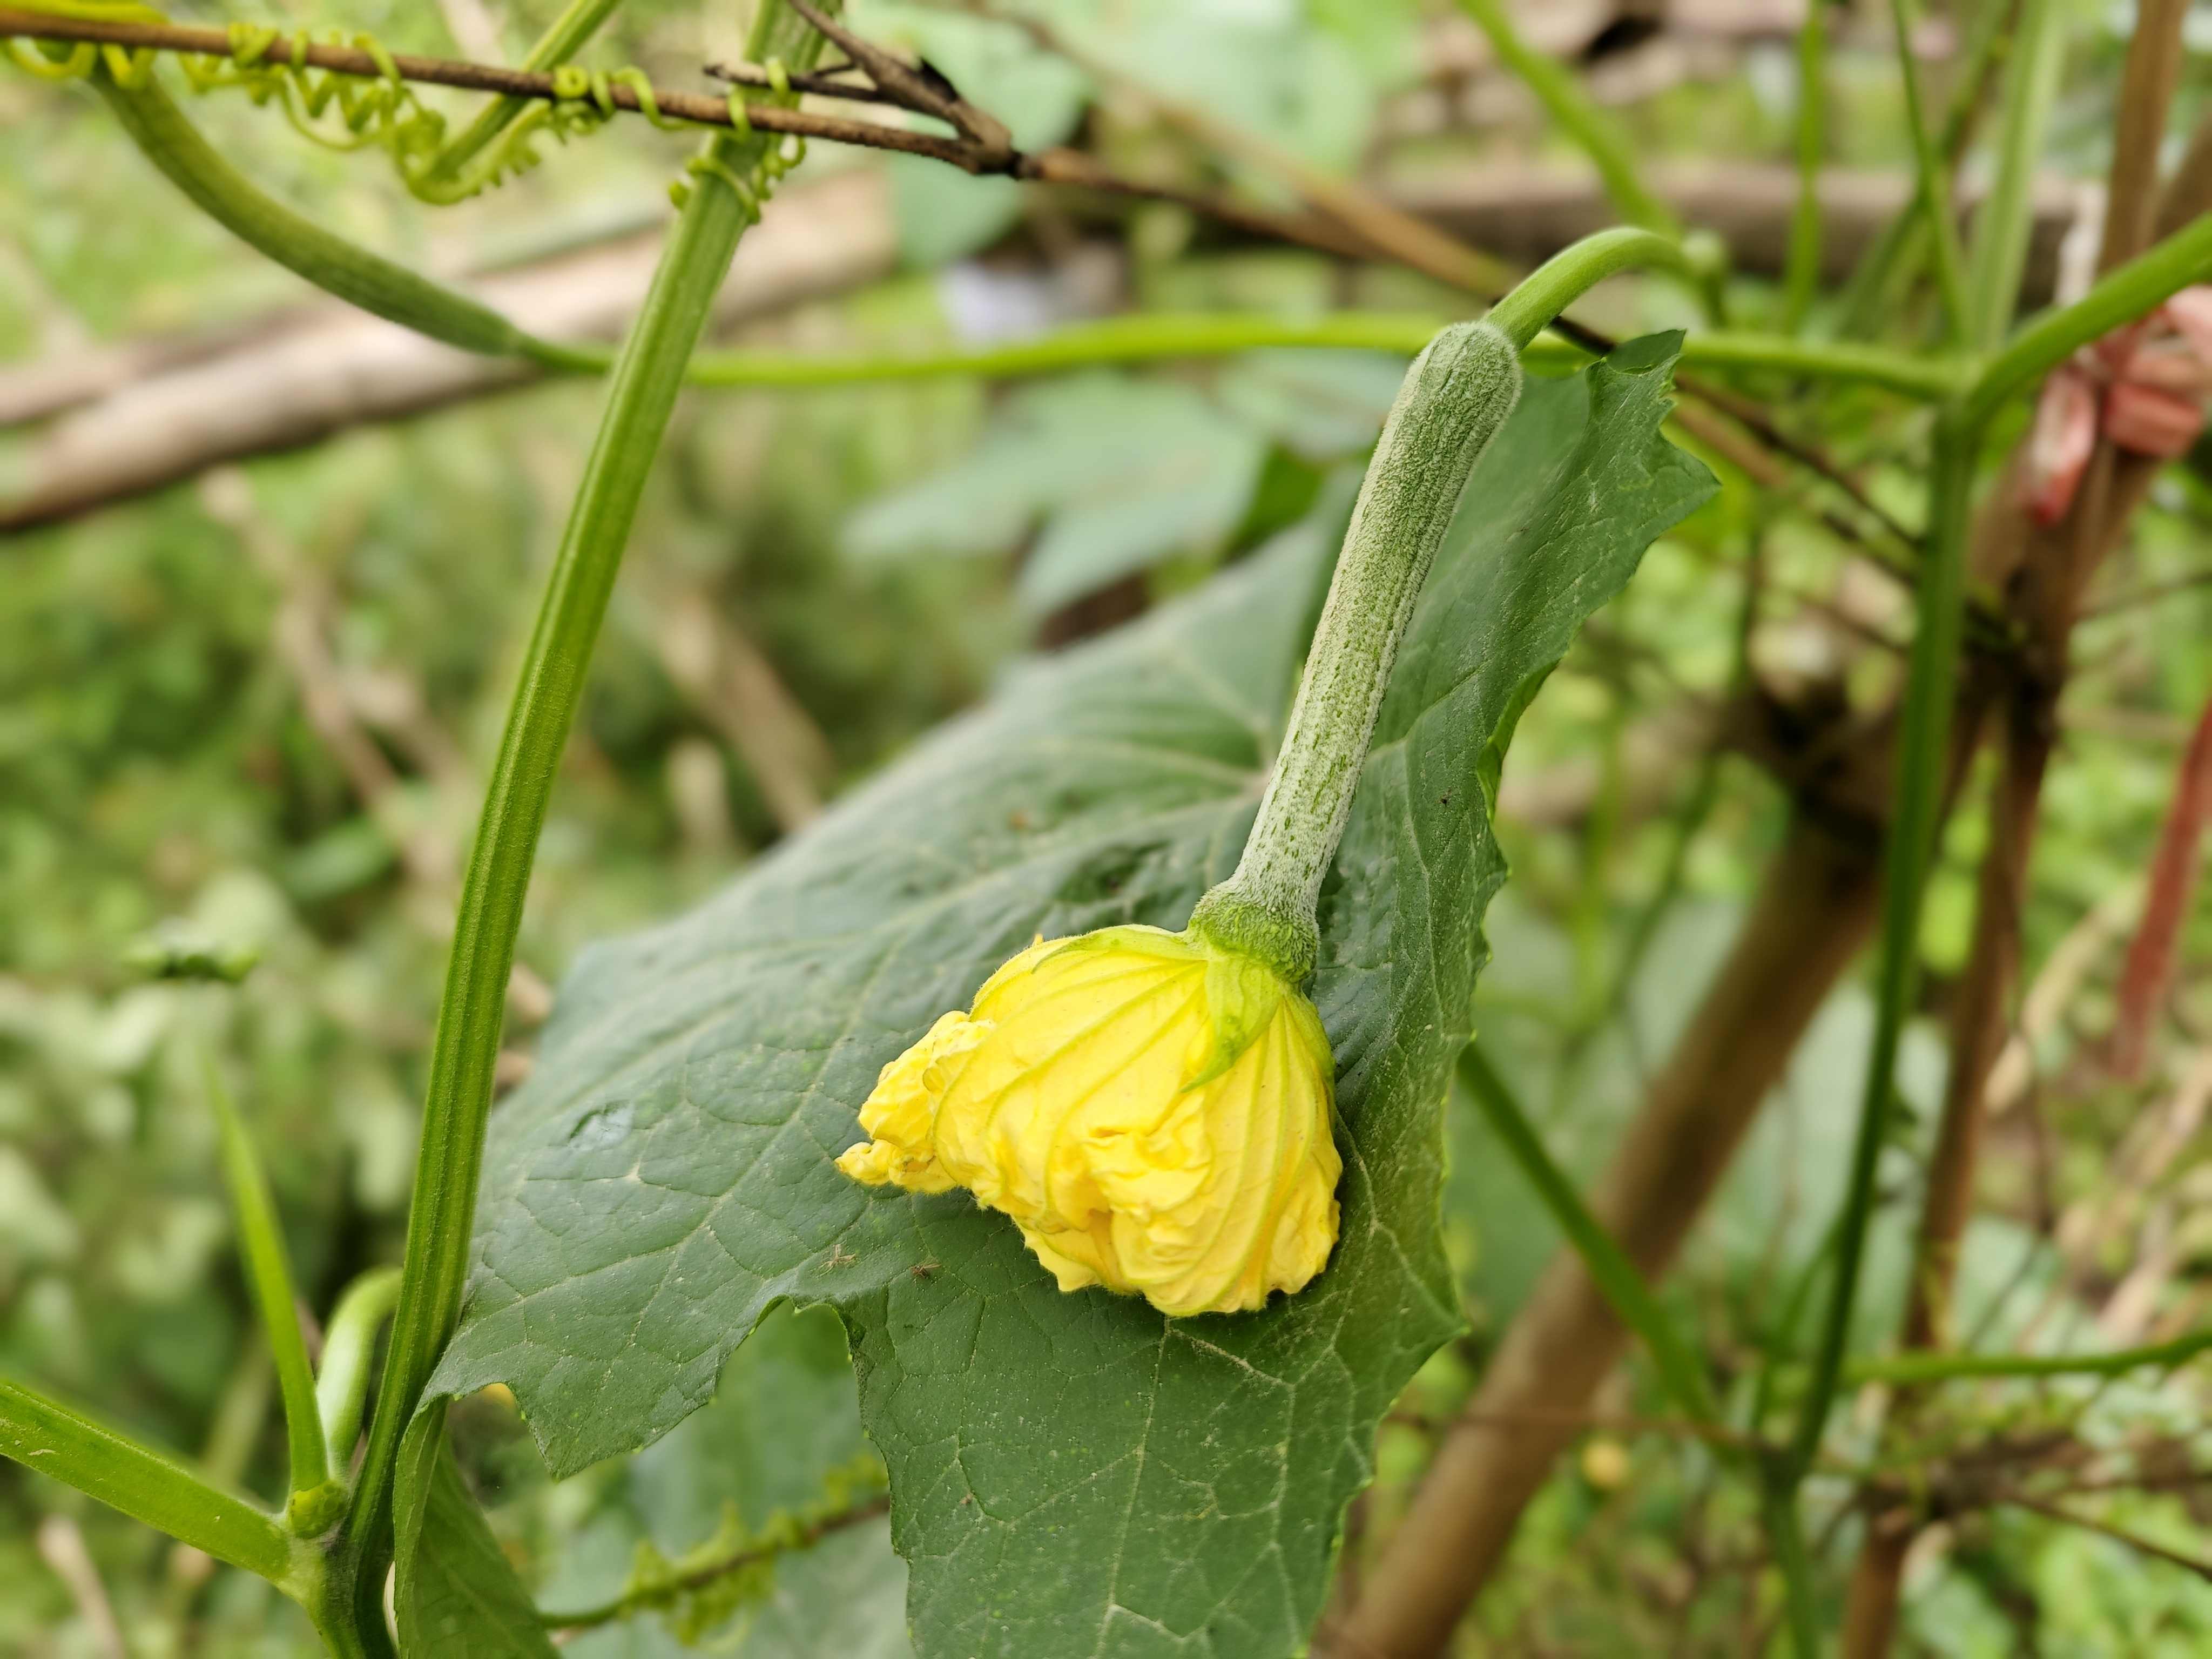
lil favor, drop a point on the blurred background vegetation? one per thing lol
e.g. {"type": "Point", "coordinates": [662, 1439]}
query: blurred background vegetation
{"type": "Point", "coordinates": [262, 701]}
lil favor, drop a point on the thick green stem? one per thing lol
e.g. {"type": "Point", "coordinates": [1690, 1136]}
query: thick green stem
{"type": "Point", "coordinates": [1801, 271]}
{"type": "Point", "coordinates": [1455, 398]}
{"type": "Point", "coordinates": [268, 1270]}
{"type": "Point", "coordinates": [1878, 282]}
{"type": "Point", "coordinates": [1785, 1536]}
{"type": "Point", "coordinates": [1615, 1276]}
{"type": "Point", "coordinates": [1565, 278]}
{"type": "Point", "coordinates": [732, 171]}
{"type": "Point", "coordinates": [148, 1486]}
{"type": "Point", "coordinates": [1910, 1369]}
{"type": "Point", "coordinates": [1153, 335]}
{"type": "Point", "coordinates": [2122, 295]}
{"type": "Point", "coordinates": [348, 1346]}
{"type": "Point", "coordinates": [2006, 217]}
{"type": "Point", "coordinates": [1923, 756]}
{"type": "Point", "coordinates": [1935, 190]}
{"type": "Point", "coordinates": [574, 26]}
{"type": "Point", "coordinates": [1566, 101]}
{"type": "Point", "coordinates": [159, 129]}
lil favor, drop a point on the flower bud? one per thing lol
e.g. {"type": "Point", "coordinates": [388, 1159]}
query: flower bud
{"type": "Point", "coordinates": [1153, 1111]}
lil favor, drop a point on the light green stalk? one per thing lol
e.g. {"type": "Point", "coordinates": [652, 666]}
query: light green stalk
{"type": "Point", "coordinates": [578, 23]}
{"type": "Point", "coordinates": [1150, 337]}
{"type": "Point", "coordinates": [146, 1484]}
{"type": "Point", "coordinates": [348, 1345]}
{"type": "Point", "coordinates": [332, 264]}
{"type": "Point", "coordinates": [1453, 401]}
{"type": "Point", "coordinates": [1457, 394]}
{"type": "Point", "coordinates": [732, 173]}
{"type": "Point", "coordinates": [269, 1271]}
{"type": "Point", "coordinates": [1801, 271]}
{"type": "Point", "coordinates": [2006, 217]}
{"type": "Point", "coordinates": [1616, 1277]}
{"type": "Point", "coordinates": [1933, 177]}
{"type": "Point", "coordinates": [1567, 103]}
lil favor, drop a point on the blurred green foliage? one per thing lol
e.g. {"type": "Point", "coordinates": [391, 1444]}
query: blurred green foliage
{"type": "Point", "coordinates": [157, 761]}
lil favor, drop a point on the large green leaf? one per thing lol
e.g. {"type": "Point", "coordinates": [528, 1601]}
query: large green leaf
{"type": "Point", "coordinates": [460, 1598]}
{"type": "Point", "coordinates": [1071, 1474]}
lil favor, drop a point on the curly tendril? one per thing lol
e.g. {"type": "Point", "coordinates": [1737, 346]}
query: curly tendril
{"type": "Point", "coordinates": [348, 112]}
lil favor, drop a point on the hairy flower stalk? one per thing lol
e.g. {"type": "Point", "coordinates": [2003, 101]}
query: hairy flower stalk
{"type": "Point", "coordinates": [1155, 1110]}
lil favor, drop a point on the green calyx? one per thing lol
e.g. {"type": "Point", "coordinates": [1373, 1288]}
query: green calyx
{"type": "Point", "coordinates": [1237, 925]}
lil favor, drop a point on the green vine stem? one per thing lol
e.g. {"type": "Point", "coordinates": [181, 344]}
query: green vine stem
{"type": "Point", "coordinates": [1923, 754]}
{"type": "Point", "coordinates": [1149, 337]}
{"type": "Point", "coordinates": [731, 173]}
{"type": "Point", "coordinates": [2006, 217]}
{"type": "Point", "coordinates": [2121, 295]}
{"type": "Point", "coordinates": [1872, 294]}
{"type": "Point", "coordinates": [576, 24]}
{"type": "Point", "coordinates": [1459, 392]}
{"type": "Point", "coordinates": [1454, 399]}
{"type": "Point", "coordinates": [269, 1271]}
{"type": "Point", "coordinates": [1565, 278]}
{"type": "Point", "coordinates": [149, 1485]}
{"type": "Point", "coordinates": [1566, 102]}
{"type": "Point", "coordinates": [2125, 294]}
{"type": "Point", "coordinates": [1616, 1277]}
{"type": "Point", "coordinates": [331, 263]}
{"type": "Point", "coordinates": [1911, 1370]}
{"type": "Point", "coordinates": [1933, 179]}
{"type": "Point", "coordinates": [1785, 1536]}
{"type": "Point", "coordinates": [349, 1342]}
{"type": "Point", "coordinates": [1801, 271]}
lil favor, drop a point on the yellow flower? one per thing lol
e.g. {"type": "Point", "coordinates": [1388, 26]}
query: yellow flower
{"type": "Point", "coordinates": [1152, 1110]}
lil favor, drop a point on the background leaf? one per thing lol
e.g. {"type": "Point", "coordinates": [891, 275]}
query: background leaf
{"type": "Point", "coordinates": [783, 1426]}
{"type": "Point", "coordinates": [1055, 1459]}
{"type": "Point", "coordinates": [1121, 473]}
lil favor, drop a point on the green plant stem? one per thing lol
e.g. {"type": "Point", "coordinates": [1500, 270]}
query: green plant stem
{"type": "Point", "coordinates": [578, 23]}
{"type": "Point", "coordinates": [332, 264]}
{"type": "Point", "coordinates": [1615, 1276]}
{"type": "Point", "coordinates": [1912, 1368]}
{"type": "Point", "coordinates": [1877, 284]}
{"type": "Point", "coordinates": [268, 1270]}
{"type": "Point", "coordinates": [1923, 756]}
{"type": "Point", "coordinates": [1151, 335]}
{"type": "Point", "coordinates": [349, 1343]}
{"type": "Point", "coordinates": [147, 1485]}
{"type": "Point", "coordinates": [1933, 179]}
{"type": "Point", "coordinates": [1801, 268]}
{"type": "Point", "coordinates": [1566, 102]}
{"type": "Point", "coordinates": [639, 398]}
{"type": "Point", "coordinates": [1782, 1343]}
{"type": "Point", "coordinates": [1455, 397]}
{"type": "Point", "coordinates": [1574, 271]}
{"type": "Point", "coordinates": [1785, 1536]}
{"type": "Point", "coordinates": [662, 1593]}
{"type": "Point", "coordinates": [2003, 224]}
{"type": "Point", "coordinates": [2123, 294]}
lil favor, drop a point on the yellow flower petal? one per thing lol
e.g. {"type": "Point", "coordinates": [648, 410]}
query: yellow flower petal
{"type": "Point", "coordinates": [1153, 1112]}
